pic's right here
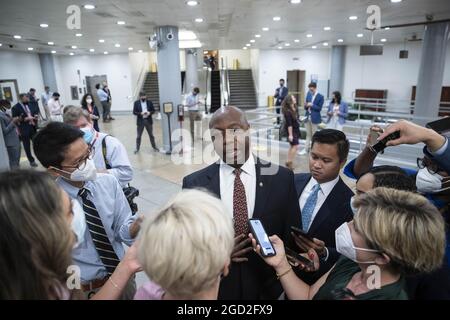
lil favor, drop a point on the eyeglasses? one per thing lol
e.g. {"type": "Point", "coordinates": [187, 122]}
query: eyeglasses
{"type": "Point", "coordinates": [430, 165]}
{"type": "Point", "coordinates": [81, 164]}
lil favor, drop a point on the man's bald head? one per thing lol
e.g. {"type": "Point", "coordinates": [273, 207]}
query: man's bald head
{"type": "Point", "coordinates": [229, 117]}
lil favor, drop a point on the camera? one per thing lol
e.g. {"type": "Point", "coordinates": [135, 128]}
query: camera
{"type": "Point", "coordinates": [131, 193]}
{"type": "Point", "coordinates": [170, 36]}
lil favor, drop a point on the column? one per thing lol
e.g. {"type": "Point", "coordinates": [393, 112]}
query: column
{"type": "Point", "coordinates": [169, 78]}
{"type": "Point", "coordinates": [48, 71]}
{"type": "Point", "coordinates": [191, 80]}
{"type": "Point", "coordinates": [337, 69]}
{"type": "Point", "coordinates": [431, 72]}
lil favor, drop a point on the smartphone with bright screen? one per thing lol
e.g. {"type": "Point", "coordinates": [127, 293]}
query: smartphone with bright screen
{"type": "Point", "coordinates": [257, 229]}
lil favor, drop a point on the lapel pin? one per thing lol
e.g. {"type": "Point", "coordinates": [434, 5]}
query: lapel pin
{"type": "Point", "coordinates": [261, 184]}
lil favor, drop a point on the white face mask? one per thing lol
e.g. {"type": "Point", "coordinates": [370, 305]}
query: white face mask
{"type": "Point", "coordinates": [88, 173]}
{"type": "Point", "coordinates": [78, 223]}
{"type": "Point", "coordinates": [345, 246]}
{"type": "Point", "coordinates": [427, 182]}
{"type": "Point", "coordinates": [89, 101]}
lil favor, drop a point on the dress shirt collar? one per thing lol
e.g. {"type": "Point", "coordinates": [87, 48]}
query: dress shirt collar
{"type": "Point", "coordinates": [326, 187]}
{"type": "Point", "coordinates": [248, 167]}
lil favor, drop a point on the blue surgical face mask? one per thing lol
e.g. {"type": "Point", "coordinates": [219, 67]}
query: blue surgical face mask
{"type": "Point", "coordinates": [88, 134]}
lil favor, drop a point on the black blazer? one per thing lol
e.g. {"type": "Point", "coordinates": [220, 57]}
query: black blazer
{"type": "Point", "coordinates": [25, 128]}
{"type": "Point", "coordinates": [276, 206]}
{"type": "Point", "coordinates": [332, 214]}
{"type": "Point", "coordinates": [137, 109]}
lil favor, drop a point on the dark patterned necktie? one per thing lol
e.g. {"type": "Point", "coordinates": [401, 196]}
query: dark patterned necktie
{"type": "Point", "coordinates": [98, 234]}
{"type": "Point", "coordinates": [240, 211]}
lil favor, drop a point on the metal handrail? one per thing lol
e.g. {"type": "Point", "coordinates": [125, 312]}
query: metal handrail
{"type": "Point", "coordinates": [139, 84]}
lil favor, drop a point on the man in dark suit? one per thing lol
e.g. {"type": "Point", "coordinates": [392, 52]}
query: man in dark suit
{"type": "Point", "coordinates": [313, 108]}
{"type": "Point", "coordinates": [280, 94]}
{"type": "Point", "coordinates": [144, 109]}
{"type": "Point", "coordinates": [10, 136]}
{"type": "Point", "coordinates": [324, 199]}
{"type": "Point", "coordinates": [27, 125]}
{"type": "Point", "coordinates": [248, 188]}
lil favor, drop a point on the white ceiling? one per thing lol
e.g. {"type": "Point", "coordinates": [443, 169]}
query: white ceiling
{"type": "Point", "coordinates": [228, 24]}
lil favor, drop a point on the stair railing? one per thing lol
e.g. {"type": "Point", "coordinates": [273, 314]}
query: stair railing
{"type": "Point", "coordinates": [224, 85]}
{"type": "Point", "coordinates": [139, 84]}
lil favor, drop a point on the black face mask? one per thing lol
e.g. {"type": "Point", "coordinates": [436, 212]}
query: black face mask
{"type": "Point", "coordinates": [143, 99]}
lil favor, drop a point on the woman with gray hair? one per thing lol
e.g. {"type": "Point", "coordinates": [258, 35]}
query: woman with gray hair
{"type": "Point", "coordinates": [185, 248]}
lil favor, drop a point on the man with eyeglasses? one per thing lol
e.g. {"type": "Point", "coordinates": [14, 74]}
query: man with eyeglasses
{"type": "Point", "coordinates": [62, 150]}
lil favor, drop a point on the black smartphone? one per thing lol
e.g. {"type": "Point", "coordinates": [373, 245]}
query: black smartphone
{"type": "Point", "coordinates": [257, 229]}
{"type": "Point", "coordinates": [381, 145]}
{"type": "Point", "coordinates": [302, 233]}
{"type": "Point", "coordinates": [440, 126]}
{"type": "Point", "coordinates": [301, 259]}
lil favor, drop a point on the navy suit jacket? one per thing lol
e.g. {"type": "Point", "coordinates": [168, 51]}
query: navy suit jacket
{"type": "Point", "coordinates": [25, 128]}
{"type": "Point", "coordinates": [280, 94]}
{"type": "Point", "coordinates": [137, 109]}
{"type": "Point", "coordinates": [444, 159]}
{"type": "Point", "coordinates": [332, 214]}
{"type": "Point", "coordinates": [315, 116]}
{"type": "Point", "coordinates": [276, 206]}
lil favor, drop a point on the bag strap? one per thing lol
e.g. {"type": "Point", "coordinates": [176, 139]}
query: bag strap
{"type": "Point", "coordinates": [108, 166]}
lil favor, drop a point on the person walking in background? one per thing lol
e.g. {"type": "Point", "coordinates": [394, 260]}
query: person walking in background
{"type": "Point", "coordinates": [10, 133]}
{"type": "Point", "coordinates": [87, 103]}
{"type": "Point", "coordinates": [34, 102]}
{"type": "Point", "coordinates": [193, 103]}
{"type": "Point", "coordinates": [103, 97]}
{"type": "Point", "coordinates": [337, 112]}
{"type": "Point", "coordinates": [27, 125]}
{"type": "Point", "coordinates": [55, 107]}
{"type": "Point", "coordinates": [108, 92]}
{"type": "Point", "coordinates": [313, 107]}
{"type": "Point", "coordinates": [289, 108]}
{"type": "Point", "coordinates": [144, 109]}
{"type": "Point", "coordinates": [280, 94]}
{"type": "Point", "coordinates": [45, 98]}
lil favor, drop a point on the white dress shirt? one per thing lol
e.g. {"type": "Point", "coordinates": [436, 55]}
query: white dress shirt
{"type": "Point", "coordinates": [144, 108]}
{"type": "Point", "coordinates": [248, 178]}
{"type": "Point", "coordinates": [325, 190]}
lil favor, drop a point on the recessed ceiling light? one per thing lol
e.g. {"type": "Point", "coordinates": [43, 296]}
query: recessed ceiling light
{"type": "Point", "coordinates": [296, 40]}
{"type": "Point", "coordinates": [248, 45]}
{"type": "Point", "coordinates": [120, 23]}
{"type": "Point", "coordinates": [327, 28]}
{"type": "Point", "coordinates": [205, 52]}
{"type": "Point", "coordinates": [74, 47]}
{"type": "Point", "coordinates": [117, 45]}
{"type": "Point", "coordinates": [43, 25]}
{"type": "Point", "coordinates": [325, 44]}
{"type": "Point", "coordinates": [130, 49]}
{"type": "Point", "coordinates": [245, 48]}
{"type": "Point", "coordinates": [287, 44]}
{"type": "Point", "coordinates": [17, 37]}
{"type": "Point", "coordinates": [276, 18]}
{"type": "Point", "coordinates": [265, 29]}
{"type": "Point", "coordinates": [340, 40]}
{"type": "Point", "coordinates": [192, 3]}
{"type": "Point", "coordinates": [383, 40]}
{"type": "Point", "coordinates": [199, 20]}
{"type": "Point", "coordinates": [360, 35]}
{"type": "Point", "coordinates": [91, 50]}
{"type": "Point", "coordinates": [309, 35]}
{"type": "Point", "coordinates": [101, 40]}
{"type": "Point", "coordinates": [396, 1]}
{"type": "Point", "coordinates": [387, 28]}
{"type": "Point", "coordinates": [140, 51]}
{"type": "Point", "coordinates": [50, 43]}
{"type": "Point", "coordinates": [295, 1]}
{"type": "Point", "coordinates": [30, 49]}
{"type": "Point", "coordinates": [252, 41]}
{"type": "Point", "coordinates": [89, 6]}
{"type": "Point", "coordinates": [106, 52]}
{"type": "Point", "coordinates": [314, 47]}
{"type": "Point", "coordinates": [257, 36]}
{"type": "Point", "coordinates": [353, 18]}
{"type": "Point", "coordinates": [53, 51]}
{"type": "Point", "coordinates": [280, 48]}
{"type": "Point", "coordinates": [0, 44]}
{"type": "Point", "coordinates": [71, 53]}
{"type": "Point", "coordinates": [78, 35]}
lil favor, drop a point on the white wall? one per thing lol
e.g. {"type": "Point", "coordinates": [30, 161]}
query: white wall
{"type": "Point", "coordinates": [387, 71]}
{"type": "Point", "coordinates": [274, 64]}
{"type": "Point", "coordinates": [116, 67]}
{"type": "Point", "coordinates": [24, 67]}
{"type": "Point", "coordinates": [228, 55]}
{"type": "Point", "coordinates": [254, 63]}
{"type": "Point", "coordinates": [139, 66]}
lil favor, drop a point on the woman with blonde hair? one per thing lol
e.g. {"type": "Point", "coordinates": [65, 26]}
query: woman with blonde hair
{"type": "Point", "coordinates": [185, 248]}
{"type": "Point", "coordinates": [289, 109]}
{"type": "Point", "coordinates": [393, 233]}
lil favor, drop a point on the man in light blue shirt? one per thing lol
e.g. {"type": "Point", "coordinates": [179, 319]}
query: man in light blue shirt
{"type": "Point", "coordinates": [193, 103]}
{"type": "Point", "coordinates": [109, 223]}
{"type": "Point", "coordinates": [104, 100]}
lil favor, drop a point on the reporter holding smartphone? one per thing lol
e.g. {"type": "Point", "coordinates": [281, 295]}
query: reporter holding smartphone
{"type": "Point", "coordinates": [143, 109]}
{"type": "Point", "coordinates": [373, 265]}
